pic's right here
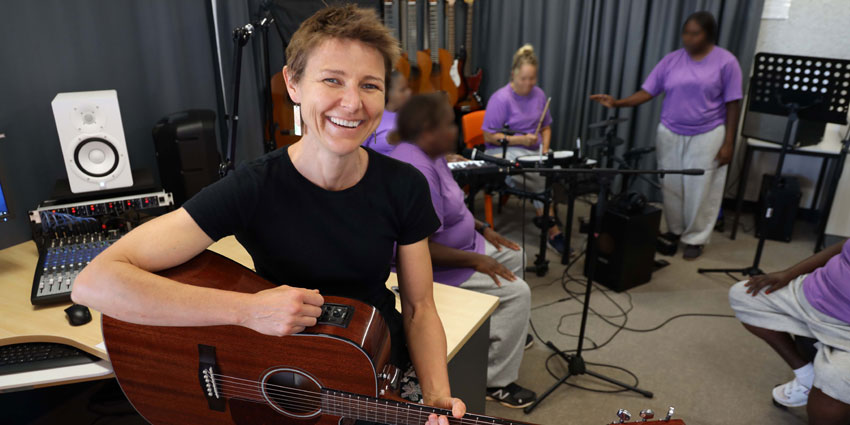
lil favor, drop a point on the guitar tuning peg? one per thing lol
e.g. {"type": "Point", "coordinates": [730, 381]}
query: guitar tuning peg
{"type": "Point", "coordinates": [670, 411]}
{"type": "Point", "coordinates": [647, 414]}
{"type": "Point", "coordinates": [624, 415]}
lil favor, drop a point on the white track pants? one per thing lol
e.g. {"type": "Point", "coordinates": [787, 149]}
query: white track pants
{"type": "Point", "coordinates": [691, 203]}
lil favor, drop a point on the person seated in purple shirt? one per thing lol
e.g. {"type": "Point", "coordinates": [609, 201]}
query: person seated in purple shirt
{"type": "Point", "coordinates": [466, 252]}
{"type": "Point", "coordinates": [699, 120]}
{"type": "Point", "coordinates": [397, 92]}
{"type": "Point", "coordinates": [518, 105]}
{"type": "Point", "coordinates": [810, 299]}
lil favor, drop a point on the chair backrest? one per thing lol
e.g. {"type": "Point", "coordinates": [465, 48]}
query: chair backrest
{"type": "Point", "coordinates": [472, 133]}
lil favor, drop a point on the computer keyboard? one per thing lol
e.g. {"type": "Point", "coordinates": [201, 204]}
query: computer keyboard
{"type": "Point", "coordinates": [27, 357]}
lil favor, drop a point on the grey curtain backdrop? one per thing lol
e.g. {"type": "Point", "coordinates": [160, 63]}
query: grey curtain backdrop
{"type": "Point", "coordinates": [600, 46]}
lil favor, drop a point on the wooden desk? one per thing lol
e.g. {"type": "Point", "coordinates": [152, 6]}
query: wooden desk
{"type": "Point", "coordinates": [465, 315]}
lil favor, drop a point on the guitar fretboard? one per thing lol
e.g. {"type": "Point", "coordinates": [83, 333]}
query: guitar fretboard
{"type": "Point", "coordinates": [354, 406]}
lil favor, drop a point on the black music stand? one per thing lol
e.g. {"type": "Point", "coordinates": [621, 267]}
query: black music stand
{"type": "Point", "coordinates": [816, 89]}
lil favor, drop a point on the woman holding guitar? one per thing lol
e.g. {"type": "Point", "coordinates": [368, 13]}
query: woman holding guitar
{"type": "Point", "coordinates": [321, 216]}
{"type": "Point", "coordinates": [518, 106]}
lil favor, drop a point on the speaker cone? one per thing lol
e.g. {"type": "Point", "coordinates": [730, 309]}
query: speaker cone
{"type": "Point", "coordinates": [96, 157]}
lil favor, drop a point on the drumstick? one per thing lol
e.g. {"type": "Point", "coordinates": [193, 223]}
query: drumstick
{"type": "Point", "coordinates": [543, 115]}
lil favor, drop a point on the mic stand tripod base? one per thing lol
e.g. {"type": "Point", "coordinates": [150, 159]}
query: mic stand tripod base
{"type": "Point", "coordinates": [576, 367]}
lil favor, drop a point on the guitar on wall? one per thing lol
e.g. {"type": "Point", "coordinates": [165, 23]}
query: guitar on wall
{"type": "Point", "coordinates": [392, 21]}
{"type": "Point", "coordinates": [441, 59]}
{"type": "Point", "coordinates": [472, 101]}
{"type": "Point", "coordinates": [420, 60]}
{"type": "Point", "coordinates": [456, 66]}
{"type": "Point", "coordinates": [234, 375]}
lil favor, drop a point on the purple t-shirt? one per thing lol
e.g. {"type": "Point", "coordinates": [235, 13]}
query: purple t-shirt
{"type": "Point", "coordinates": [696, 92]}
{"type": "Point", "coordinates": [457, 229]}
{"type": "Point", "coordinates": [520, 113]}
{"type": "Point", "coordinates": [378, 140]}
{"type": "Point", "coordinates": [828, 288]}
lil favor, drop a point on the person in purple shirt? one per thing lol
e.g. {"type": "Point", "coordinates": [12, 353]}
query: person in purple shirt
{"type": "Point", "coordinates": [466, 252]}
{"type": "Point", "coordinates": [810, 299]}
{"type": "Point", "coordinates": [397, 92]}
{"type": "Point", "coordinates": [699, 120]}
{"type": "Point", "coordinates": [518, 106]}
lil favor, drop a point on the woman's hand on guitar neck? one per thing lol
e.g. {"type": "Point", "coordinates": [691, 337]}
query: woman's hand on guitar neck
{"type": "Point", "coordinates": [282, 311]}
{"type": "Point", "coordinates": [456, 405]}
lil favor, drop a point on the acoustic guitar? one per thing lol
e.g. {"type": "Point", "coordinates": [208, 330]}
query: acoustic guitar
{"type": "Point", "coordinates": [234, 375]}
{"type": "Point", "coordinates": [441, 59]}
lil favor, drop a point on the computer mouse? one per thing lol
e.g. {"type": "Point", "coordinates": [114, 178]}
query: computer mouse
{"type": "Point", "coordinates": [78, 315]}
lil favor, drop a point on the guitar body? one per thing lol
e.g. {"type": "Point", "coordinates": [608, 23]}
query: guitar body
{"type": "Point", "coordinates": [461, 87]}
{"type": "Point", "coordinates": [158, 366]}
{"type": "Point", "coordinates": [422, 83]}
{"type": "Point", "coordinates": [446, 83]}
{"type": "Point", "coordinates": [473, 101]}
{"type": "Point", "coordinates": [403, 66]}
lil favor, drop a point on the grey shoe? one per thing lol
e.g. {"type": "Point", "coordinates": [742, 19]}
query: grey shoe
{"type": "Point", "coordinates": [692, 252]}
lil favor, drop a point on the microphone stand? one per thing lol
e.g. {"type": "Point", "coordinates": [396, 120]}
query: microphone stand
{"type": "Point", "coordinates": [576, 361]}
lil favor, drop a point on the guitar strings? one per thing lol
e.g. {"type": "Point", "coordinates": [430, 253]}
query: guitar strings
{"type": "Point", "coordinates": [285, 397]}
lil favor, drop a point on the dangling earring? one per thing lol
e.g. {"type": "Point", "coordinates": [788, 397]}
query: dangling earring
{"type": "Point", "coordinates": [296, 110]}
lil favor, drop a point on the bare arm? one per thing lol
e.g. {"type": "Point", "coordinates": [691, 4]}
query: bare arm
{"type": "Point", "coordinates": [815, 261]}
{"type": "Point", "coordinates": [120, 283]}
{"type": "Point", "coordinates": [425, 335]}
{"type": "Point", "coordinates": [639, 97]}
{"type": "Point", "coordinates": [546, 132]}
{"type": "Point", "coordinates": [514, 139]}
{"type": "Point", "coordinates": [727, 150]}
{"type": "Point", "coordinates": [773, 281]}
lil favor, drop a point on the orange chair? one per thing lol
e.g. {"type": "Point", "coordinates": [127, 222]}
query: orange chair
{"type": "Point", "coordinates": [474, 136]}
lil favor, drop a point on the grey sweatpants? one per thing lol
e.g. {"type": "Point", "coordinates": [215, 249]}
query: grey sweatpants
{"type": "Point", "coordinates": [788, 310]}
{"type": "Point", "coordinates": [691, 203]}
{"type": "Point", "coordinates": [509, 323]}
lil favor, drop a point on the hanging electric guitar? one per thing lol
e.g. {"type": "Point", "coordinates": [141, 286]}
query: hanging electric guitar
{"type": "Point", "coordinates": [472, 101]}
{"type": "Point", "coordinates": [234, 375]}
{"type": "Point", "coordinates": [456, 67]}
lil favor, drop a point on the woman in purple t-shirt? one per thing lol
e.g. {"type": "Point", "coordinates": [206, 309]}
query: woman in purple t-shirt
{"type": "Point", "coordinates": [518, 106]}
{"type": "Point", "coordinates": [699, 120]}
{"type": "Point", "coordinates": [397, 92]}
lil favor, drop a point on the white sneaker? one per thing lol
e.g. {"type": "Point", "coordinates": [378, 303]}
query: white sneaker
{"type": "Point", "coordinates": [791, 394]}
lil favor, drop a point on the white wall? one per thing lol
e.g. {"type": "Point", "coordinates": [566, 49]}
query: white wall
{"type": "Point", "coordinates": [818, 28]}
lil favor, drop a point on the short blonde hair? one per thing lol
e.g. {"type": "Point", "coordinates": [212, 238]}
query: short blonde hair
{"type": "Point", "coordinates": [524, 55]}
{"type": "Point", "coordinates": [347, 22]}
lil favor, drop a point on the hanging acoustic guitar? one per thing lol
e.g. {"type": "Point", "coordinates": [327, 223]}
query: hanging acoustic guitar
{"type": "Point", "coordinates": [234, 375]}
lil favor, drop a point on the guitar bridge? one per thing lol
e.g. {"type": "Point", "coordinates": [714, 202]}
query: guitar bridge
{"type": "Point", "coordinates": [207, 373]}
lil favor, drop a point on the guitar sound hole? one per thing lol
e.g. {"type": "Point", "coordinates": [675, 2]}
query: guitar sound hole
{"type": "Point", "coordinates": [292, 392]}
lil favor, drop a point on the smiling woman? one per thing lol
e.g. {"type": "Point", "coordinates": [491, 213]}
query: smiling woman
{"type": "Point", "coordinates": [324, 216]}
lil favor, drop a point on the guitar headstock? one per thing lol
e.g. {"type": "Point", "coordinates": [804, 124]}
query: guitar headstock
{"type": "Point", "coordinates": [647, 417]}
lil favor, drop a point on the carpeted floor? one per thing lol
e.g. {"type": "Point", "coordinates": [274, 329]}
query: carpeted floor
{"type": "Point", "coordinates": [709, 368]}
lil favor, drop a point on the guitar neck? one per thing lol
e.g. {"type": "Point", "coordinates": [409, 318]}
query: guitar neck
{"type": "Point", "coordinates": [371, 409]}
{"type": "Point", "coordinates": [468, 41]}
{"type": "Point", "coordinates": [390, 19]}
{"type": "Point", "coordinates": [432, 31]}
{"type": "Point", "coordinates": [412, 45]}
{"type": "Point", "coordinates": [450, 38]}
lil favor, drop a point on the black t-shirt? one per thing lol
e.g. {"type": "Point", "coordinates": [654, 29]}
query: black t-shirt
{"type": "Point", "coordinates": [340, 242]}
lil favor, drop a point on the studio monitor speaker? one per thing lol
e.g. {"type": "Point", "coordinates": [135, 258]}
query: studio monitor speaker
{"type": "Point", "coordinates": [92, 139]}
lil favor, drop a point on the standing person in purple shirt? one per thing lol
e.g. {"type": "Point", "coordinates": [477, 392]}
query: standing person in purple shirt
{"type": "Point", "coordinates": [699, 120]}
{"type": "Point", "coordinates": [810, 299]}
{"type": "Point", "coordinates": [518, 105]}
{"type": "Point", "coordinates": [397, 92]}
{"type": "Point", "coordinates": [466, 252]}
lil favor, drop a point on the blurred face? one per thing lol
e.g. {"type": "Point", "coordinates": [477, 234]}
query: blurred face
{"type": "Point", "coordinates": [524, 79]}
{"type": "Point", "coordinates": [399, 92]}
{"type": "Point", "coordinates": [442, 139]}
{"type": "Point", "coordinates": [341, 93]}
{"type": "Point", "coordinates": [694, 38]}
